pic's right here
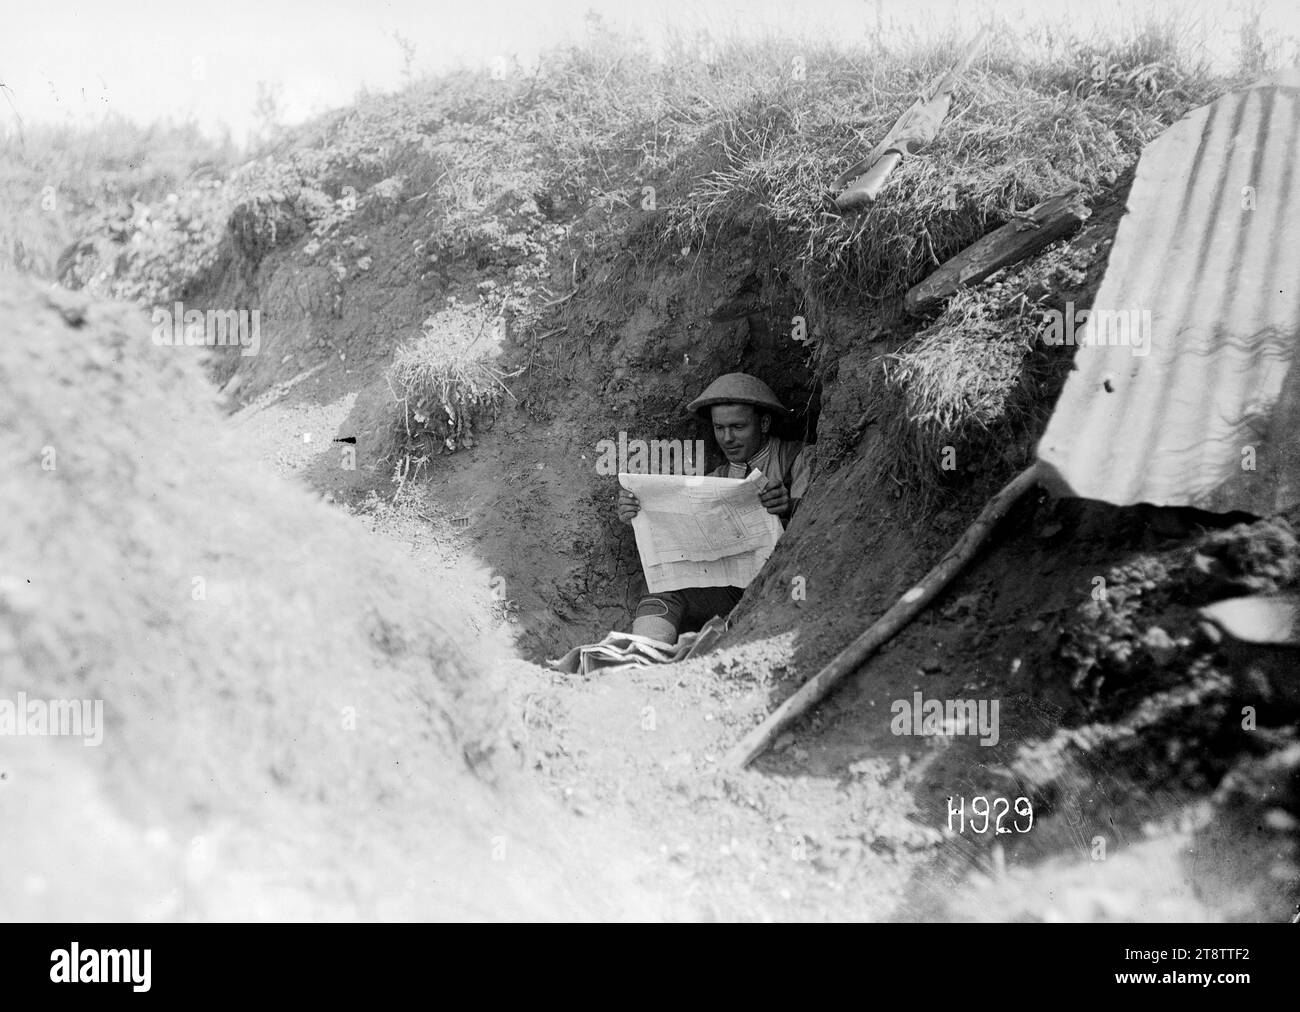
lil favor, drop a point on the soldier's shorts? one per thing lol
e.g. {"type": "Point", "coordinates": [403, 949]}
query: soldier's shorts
{"type": "Point", "coordinates": [689, 608]}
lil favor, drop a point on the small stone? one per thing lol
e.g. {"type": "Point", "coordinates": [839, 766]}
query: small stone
{"type": "Point", "coordinates": [931, 664]}
{"type": "Point", "coordinates": [1159, 645]}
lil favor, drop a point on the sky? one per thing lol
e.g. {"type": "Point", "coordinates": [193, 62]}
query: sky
{"type": "Point", "coordinates": [72, 61]}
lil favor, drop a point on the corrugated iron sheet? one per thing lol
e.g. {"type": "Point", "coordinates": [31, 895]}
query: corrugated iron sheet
{"type": "Point", "coordinates": [1209, 416]}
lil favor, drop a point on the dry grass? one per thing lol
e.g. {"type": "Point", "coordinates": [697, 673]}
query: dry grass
{"type": "Point", "coordinates": [1018, 132]}
{"type": "Point", "coordinates": [446, 383]}
{"type": "Point", "coordinates": [744, 135]}
{"type": "Point", "coordinates": [958, 398]}
{"type": "Point", "coordinates": [547, 174]}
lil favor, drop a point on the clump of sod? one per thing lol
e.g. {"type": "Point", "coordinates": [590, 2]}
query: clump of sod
{"type": "Point", "coordinates": [446, 384]}
{"type": "Point", "coordinates": [960, 398]}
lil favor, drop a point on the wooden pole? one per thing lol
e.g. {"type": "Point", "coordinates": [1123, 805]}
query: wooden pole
{"type": "Point", "coordinates": [903, 611]}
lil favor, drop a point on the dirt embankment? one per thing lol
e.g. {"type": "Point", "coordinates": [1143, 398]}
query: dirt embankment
{"type": "Point", "coordinates": [621, 360]}
{"type": "Point", "coordinates": [628, 343]}
{"type": "Point", "coordinates": [294, 724]}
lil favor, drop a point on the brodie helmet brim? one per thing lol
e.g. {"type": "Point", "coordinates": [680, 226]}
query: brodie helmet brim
{"type": "Point", "coordinates": [738, 388]}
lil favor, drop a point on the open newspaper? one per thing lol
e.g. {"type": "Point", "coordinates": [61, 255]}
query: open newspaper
{"type": "Point", "coordinates": [694, 531]}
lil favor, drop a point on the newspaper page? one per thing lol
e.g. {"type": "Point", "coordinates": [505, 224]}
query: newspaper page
{"type": "Point", "coordinates": [695, 531]}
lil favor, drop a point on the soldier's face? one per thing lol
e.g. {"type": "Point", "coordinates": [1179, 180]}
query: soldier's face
{"type": "Point", "coordinates": [738, 430]}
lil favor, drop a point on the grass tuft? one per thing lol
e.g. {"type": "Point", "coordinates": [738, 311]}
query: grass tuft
{"type": "Point", "coordinates": [959, 399]}
{"type": "Point", "coordinates": [447, 384]}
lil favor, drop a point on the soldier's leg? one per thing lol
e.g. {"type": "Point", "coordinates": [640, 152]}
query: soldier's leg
{"type": "Point", "coordinates": [702, 603]}
{"type": "Point", "coordinates": [659, 616]}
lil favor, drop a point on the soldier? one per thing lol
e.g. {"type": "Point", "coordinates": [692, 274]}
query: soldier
{"type": "Point", "coordinates": [741, 409]}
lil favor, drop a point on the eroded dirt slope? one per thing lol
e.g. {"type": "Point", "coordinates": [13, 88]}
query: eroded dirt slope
{"type": "Point", "coordinates": [294, 722]}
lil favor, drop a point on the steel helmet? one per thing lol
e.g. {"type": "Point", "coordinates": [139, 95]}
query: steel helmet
{"type": "Point", "coordinates": [738, 388]}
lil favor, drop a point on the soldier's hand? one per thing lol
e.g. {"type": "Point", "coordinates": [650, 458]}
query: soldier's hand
{"type": "Point", "coordinates": [628, 505]}
{"type": "Point", "coordinates": [775, 498]}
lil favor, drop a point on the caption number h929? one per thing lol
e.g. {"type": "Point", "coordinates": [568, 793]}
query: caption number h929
{"type": "Point", "coordinates": [981, 808]}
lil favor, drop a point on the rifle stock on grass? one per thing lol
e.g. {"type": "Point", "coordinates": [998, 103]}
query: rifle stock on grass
{"type": "Point", "coordinates": [912, 131]}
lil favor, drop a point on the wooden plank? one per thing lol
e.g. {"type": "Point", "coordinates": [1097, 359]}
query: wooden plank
{"type": "Point", "coordinates": [1043, 223]}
